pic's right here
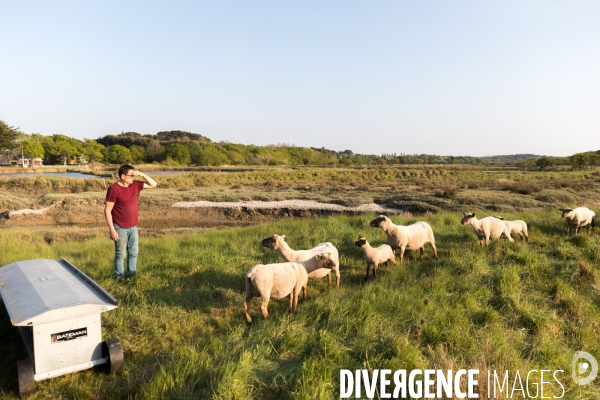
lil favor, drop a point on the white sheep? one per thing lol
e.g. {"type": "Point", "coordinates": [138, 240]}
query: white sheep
{"type": "Point", "coordinates": [487, 228]}
{"type": "Point", "coordinates": [280, 280]}
{"type": "Point", "coordinates": [409, 237]}
{"type": "Point", "coordinates": [579, 217]}
{"type": "Point", "coordinates": [279, 244]}
{"type": "Point", "coordinates": [518, 227]}
{"type": "Point", "coordinates": [375, 255]}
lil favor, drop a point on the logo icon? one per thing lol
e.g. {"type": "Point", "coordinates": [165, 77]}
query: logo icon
{"type": "Point", "coordinates": [579, 367]}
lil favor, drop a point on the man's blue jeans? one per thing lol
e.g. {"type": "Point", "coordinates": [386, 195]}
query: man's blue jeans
{"type": "Point", "coordinates": [127, 244]}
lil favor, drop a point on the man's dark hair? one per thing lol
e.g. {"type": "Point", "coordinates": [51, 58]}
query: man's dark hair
{"type": "Point", "coordinates": [124, 169]}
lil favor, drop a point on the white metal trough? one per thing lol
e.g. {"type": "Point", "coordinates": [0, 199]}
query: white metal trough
{"type": "Point", "coordinates": [56, 309]}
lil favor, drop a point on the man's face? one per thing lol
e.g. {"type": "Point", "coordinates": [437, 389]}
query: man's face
{"type": "Point", "coordinates": [129, 176]}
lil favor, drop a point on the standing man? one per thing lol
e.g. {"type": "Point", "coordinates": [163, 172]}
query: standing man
{"type": "Point", "coordinates": [121, 213]}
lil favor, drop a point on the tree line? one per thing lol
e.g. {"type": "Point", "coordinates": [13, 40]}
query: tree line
{"type": "Point", "coordinates": [185, 148]}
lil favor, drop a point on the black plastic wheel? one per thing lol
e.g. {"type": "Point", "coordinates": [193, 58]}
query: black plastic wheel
{"type": "Point", "coordinates": [112, 348]}
{"type": "Point", "coordinates": [25, 374]}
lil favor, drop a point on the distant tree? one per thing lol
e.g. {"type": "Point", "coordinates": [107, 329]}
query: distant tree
{"type": "Point", "coordinates": [125, 139]}
{"type": "Point", "coordinates": [138, 154]}
{"type": "Point", "coordinates": [308, 156]}
{"type": "Point", "coordinates": [544, 162]}
{"type": "Point", "coordinates": [154, 149]}
{"type": "Point", "coordinates": [170, 136]}
{"type": "Point", "coordinates": [33, 149]}
{"type": "Point", "coordinates": [63, 148]}
{"type": "Point", "coordinates": [194, 151]}
{"type": "Point", "coordinates": [211, 156]}
{"type": "Point", "coordinates": [118, 154]}
{"type": "Point", "coordinates": [584, 160]}
{"type": "Point", "coordinates": [178, 153]}
{"type": "Point", "coordinates": [92, 150]}
{"type": "Point", "coordinates": [8, 136]}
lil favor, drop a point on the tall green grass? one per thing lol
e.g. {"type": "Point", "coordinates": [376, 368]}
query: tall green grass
{"type": "Point", "coordinates": [517, 306]}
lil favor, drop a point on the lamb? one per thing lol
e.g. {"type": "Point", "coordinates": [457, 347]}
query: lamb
{"type": "Point", "coordinates": [278, 244]}
{"type": "Point", "coordinates": [487, 228]}
{"type": "Point", "coordinates": [409, 237]}
{"type": "Point", "coordinates": [518, 226]}
{"type": "Point", "coordinates": [280, 280]}
{"type": "Point", "coordinates": [579, 217]}
{"type": "Point", "coordinates": [375, 256]}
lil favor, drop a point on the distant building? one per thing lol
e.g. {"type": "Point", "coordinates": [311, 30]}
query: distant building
{"type": "Point", "coordinates": [8, 159]}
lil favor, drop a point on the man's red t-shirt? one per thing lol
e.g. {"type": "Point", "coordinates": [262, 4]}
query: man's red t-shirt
{"type": "Point", "coordinates": [125, 210]}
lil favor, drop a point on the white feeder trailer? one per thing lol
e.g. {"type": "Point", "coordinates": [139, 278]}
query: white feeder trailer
{"type": "Point", "coordinates": [56, 309]}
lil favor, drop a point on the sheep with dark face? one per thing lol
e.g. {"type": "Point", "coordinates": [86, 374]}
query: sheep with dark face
{"type": "Point", "coordinates": [409, 237]}
{"type": "Point", "coordinates": [281, 280]}
{"type": "Point", "coordinates": [578, 218]}
{"type": "Point", "coordinates": [486, 228]}
{"type": "Point", "coordinates": [279, 244]}
{"type": "Point", "coordinates": [375, 255]}
{"type": "Point", "coordinates": [518, 227]}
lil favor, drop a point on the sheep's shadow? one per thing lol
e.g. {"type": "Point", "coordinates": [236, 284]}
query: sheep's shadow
{"type": "Point", "coordinates": [551, 228]}
{"type": "Point", "coordinates": [203, 291]}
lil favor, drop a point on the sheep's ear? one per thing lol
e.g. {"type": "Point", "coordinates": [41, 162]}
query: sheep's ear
{"type": "Point", "coordinates": [317, 257]}
{"type": "Point", "coordinates": [282, 237]}
{"type": "Point", "coordinates": [472, 215]}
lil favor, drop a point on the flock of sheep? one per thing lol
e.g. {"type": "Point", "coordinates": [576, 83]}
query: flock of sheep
{"type": "Point", "coordinates": [290, 278]}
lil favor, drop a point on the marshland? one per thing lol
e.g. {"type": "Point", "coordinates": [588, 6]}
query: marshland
{"type": "Point", "coordinates": [509, 306]}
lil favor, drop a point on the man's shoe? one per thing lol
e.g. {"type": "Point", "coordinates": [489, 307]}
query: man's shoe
{"type": "Point", "coordinates": [120, 280]}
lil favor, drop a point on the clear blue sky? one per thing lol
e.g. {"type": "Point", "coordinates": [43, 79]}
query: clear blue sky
{"type": "Point", "coordinates": [445, 77]}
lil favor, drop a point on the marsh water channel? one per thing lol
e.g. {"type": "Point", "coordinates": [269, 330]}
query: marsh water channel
{"type": "Point", "coordinates": [50, 174]}
{"type": "Point", "coordinates": [72, 174]}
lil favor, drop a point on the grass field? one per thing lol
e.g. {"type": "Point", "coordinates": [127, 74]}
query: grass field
{"type": "Point", "coordinates": [505, 307]}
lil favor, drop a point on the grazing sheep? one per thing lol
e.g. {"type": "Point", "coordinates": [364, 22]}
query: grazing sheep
{"type": "Point", "coordinates": [518, 226]}
{"type": "Point", "coordinates": [375, 256]}
{"type": "Point", "coordinates": [487, 228]}
{"type": "Point", "coordinates": [280, 280]}
{"type": "Point", "coordinates": [409, 237]}
{"type": "Point", "coordinates": [579, 217]}
{"type": "Point", "coordinates": [278, 244]}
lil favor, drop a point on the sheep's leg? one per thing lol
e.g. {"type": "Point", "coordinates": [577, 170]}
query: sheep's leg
{"type": "Point", "coordinates": [481, 242]}
{"type": "Point", "coordinates": [521, 236]}
{"type": "Point", "coordinates": [295, 296]}
{"type": "Point", "coordinates": [337, 277]}
{"type": "Point", "coordinates": [375, 266]}
{"type": "Point", "coordinates": [401, 256]}
{"type": "Point", "coordinates": [304, 292]}
{"type": "Point", "coordinates": [434, 250]}
{"type": "Point", "coordinates": [329, 278]}
{"type": "Point", "coordinates": [367, 276]}
{"type": "Point", "coordinates": [526, 238]}
{"type": "Point", "coordinates": [263, 306]}
{"type": "Point", "coordinates": [421, 251]}
{"type": "Point", "coordinates": [291, 296]}
{"type": "Point", "coordinates": [577, 229]}
{"type": "Point", "coordinates": [246, 307]}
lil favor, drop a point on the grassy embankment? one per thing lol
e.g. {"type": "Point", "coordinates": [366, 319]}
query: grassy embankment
{"type": "Point", "coordinates": [412, 188]}
{"type": "Point", "coordinates": [508, 306]}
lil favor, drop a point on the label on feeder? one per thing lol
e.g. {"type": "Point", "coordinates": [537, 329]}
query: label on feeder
{"type": "Point", "coordinates": [68, 335]}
